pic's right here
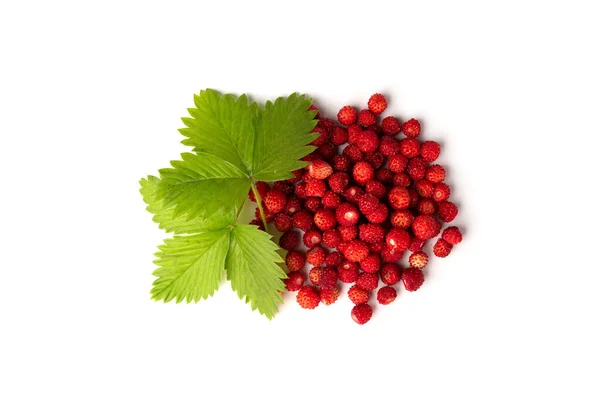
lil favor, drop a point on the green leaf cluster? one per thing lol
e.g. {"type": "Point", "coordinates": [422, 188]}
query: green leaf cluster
{"type": "Point", "coordinates": [235, 143]}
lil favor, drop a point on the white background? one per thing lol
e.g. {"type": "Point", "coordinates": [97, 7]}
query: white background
{"type": "Point", "coordinates": [90, 99]}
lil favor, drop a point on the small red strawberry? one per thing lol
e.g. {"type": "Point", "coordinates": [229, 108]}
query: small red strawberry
{"type": "Point", "coordinates": [436, 173]}
{"type": "Point", "coordinates": [411, 128]}
{"type": "Point", "coordinates": [284, 186]}
{"type": "Point", "coordinates": [452, 235]}
{"type": "Point", "coordinates": [384, 175]}
{"type": "Point", "coordinates": [331, 238]}
{"type": "Point", "coordinates": [418, 259]}
{"type": "Point", "coordinates": [386, 295]}
{"type": "Point", "coordinates": [368, 142]}
{"type": "Point", "coordinates": [348, 271]}
{"type": "Point", "coordinates": [353, 153]}
{"type": "Point", "coordinates": [388, 146]}
{"type": "Point", "coordinates": [362, 313]}
{"type": "Point", "coordinates": [358, 295]}
{"type": "Point", "coordinates": [302, 220]}
{"type": "Point", "coordinates": [402, 219]}
{"type": "Point", "coordinates": [416, 168]}
{"type": "Point", "coordinates": [402, 179]}
{"type": "Point", "coordinates": [441, 192]}
{"type": "Point", "coordinates": [390, 255]}
{"type": "Point", "coordinates": [347, 115]}
{"type": "Point", "coordinates": [430, 151]}
{"type": "Point", "coordinates": [338, 182]}
{"type": "Point", "coordinates": [390, 273]}
{"type": "Point", "coordinates": [341, 163]}
{"type": "Point", "coordinates": [329, 295]}
{"type": "Point", "coordinates": [371, 233]}
{"type": "Point", "coordinates": [416, 244]}
{"type": "Point", "coordinates": [399, 198]}
{"type": "Point", "coordinates": [357, 250]}
{"type": "Point", "coordinates": [398, 239]}
{"type": "Point", "coordinates": [371, 263]}
{"type": "Point", "coordinates": [316, 188]}
{"type": "Point", "coordinates": [424, 188]}
{"type": "Point", "coordinates": [377, 247]}
{"type": "Point", "coordinates": [334, 259]}
{"type": "Point", "coordinates": [447, 211]}
{"type": "Point", "coordinates": [368, 203]}
{"type": "Point", "coordinates": [354, 132]}
{"type": "Point", "coordinates": [312, 204]}
{"type": "Point", "coordinates": [275, 201]}
{"type": "Point", "coordinates": [426, 227]}
{"type": "Point", "coordinates": [426, 207]}
{"type": "Point", "coordinates": [366, 118]}
{"type": "Point", "coordinates": [295, 260]}
{"type": "Point", "coordinates": [363, 172]}
{"type": "Point", "coordinates": [308, 297]}
{"type": "Point", "coordinates": [295, 281]}
{"type": "Point", "coordinates": [329, 277]}
{"type": "Point", "coordinates": [312, 238]}
{"type": "Point", "coordinates": [348, 233]}
{"type": "Point", "coordinates": [376, 159]}
{"type": "Point", "coordinates": [410, 147]}
{"type": "Point", "coordinates": [331, 200]}
{"type": "Point", "coordinates": [347, 214]}
{"type": "Point", "coordinates": [316, 256]}
{"type": "Point", "coordinates": [412, 278]}
{"type": "Point", "coordinates": [315, 274]}
{"type": "Point", "coordinates": [323, 136]}
{"type": "Point", "coordinates": [262, 188]}
{"type": "Point", "coordinates": [375, 188]}
{"type": "Point", "coordinates": [327, 150]}
{"type": "Point", "coordinates": [339, 136]}
{"type": "Point", "coordinates": [379, 215]}
{"type": "Point", "coordinates": [283, 222]}
{"type": "Point", "coordinates": [390, 126]}
{"type": "Point", "coordinates": [353, 194]}
{"type": "Point", "coordinates": [292, 205]}
{"type": "Point", "coordinates": [442, 248]}
{"type": "Point", "coordinates": [319, 169]}
{"type": "Point", "coordinates": [289, 240]}
{"type": "Point", "coordinates": [325, 219]}
{"type": "Point", "coordinates": [367, 280]}
{"type": "Point", "coordinates": [377, 103]}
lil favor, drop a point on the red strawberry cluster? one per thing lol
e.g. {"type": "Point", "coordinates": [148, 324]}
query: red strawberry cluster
{"type": "Point", "coordinates": [370, 193]}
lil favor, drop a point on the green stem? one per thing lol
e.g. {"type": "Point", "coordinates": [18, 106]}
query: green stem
{"type": "Point", "coordinates": [260, 208]}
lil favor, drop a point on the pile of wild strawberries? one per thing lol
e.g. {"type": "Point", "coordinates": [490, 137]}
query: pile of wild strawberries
{"type": "Point", "coordinates": [359, 209]}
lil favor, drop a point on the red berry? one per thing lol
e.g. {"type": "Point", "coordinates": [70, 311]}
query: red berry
{"type": "Point", "coordinates": [414, 197]}
{"type": "Point", "coordinates": [436, 173]}
{"type": "Point", "coordinates": [390, 273]}
{"type": "Point", "coordinates": [358, 295]}
{"type": "Point", "coordinates": [401, 179]}
{"type": "Point", "coordinates": [367, 280]}
{"type": "Point", "coordinates": [389, 146]}
{"type": "Point", "coordinates": [300, 190]}
{"type": "Point", "coordinates": [441, 192]}
{"type": "Point", "coordinates": [412, 278]}
{"type": "Point", "coordinates": [354, 132]}
{"type": "Point", "coordinates": [447, 211]}
{"type": "Point", "coordinates": [371, 233]}
{"type": "Point", "coordinates": [390, 126]}
{"type": "Point", "coordinates": [295, 281]}
{"type": "Point", "coordinates": [347, 214]}
{"type": "Point", "coordinates": [426, 207]}
{"type": "Point", "coordinates": [347, 115]}
{"type": "Point", "coordinates": [442, 248]}
{"type": "Point", "coordinates": [384, 175]}
{"type": "Point", "coordinates": [315, 274]}
{"type": "Point", "coordinates": [331, 238]}
{"type": "Point", "coordinates": [262, 188]}
{"type": "Point", "coordinates": [308, 297]}
{"type": "Point", "coordinates": [275, 201]}
{"type": "Point", "coordinates": [316, 256]}
{"type": "Point", "coordinates": [339, 136]}
{"type": "Point", "coordinates": [285, 186]}
{"type": "Point", "coordinates": [316, 188]}
{"type": "Point", "coordinates": [338, 182]}
{"type": "Point", "coordinates": [375, 188]}
{"type": "Point", "coordinates": [353, 194]}
{"type": "Point", "coordinates": [348, 271]}
{"type": "Point", "coordinates": [323, 136]}
{"type": "Point", "coordinates": [269, 217]}
{"type": "Point", "coordinates": [424, 188]}
{"type": "Point", "coordinates": [319, 169]}
{"type": "Point", "coordinates": [347, 233]}
{"type": "Point", "coordinates": [295, 260]}
{"type": "Point", "coordinates": [399, 198]}
{"type": "Point", "coordinates": [371, 263]}
{"type": "Point", "coordinates": [377, 247]}
{"type": "Point", "coordinates": [356, 250]}
{"type": "Point", "coordinates": [325, 219]}
{"type": "Point", "coordinates": [418, 259]}
{"type": "Point", "coordinates": [362, 313]}
{"type": "Point", "coordinates": [283, 222]}
{"type": "Point", "coordinates": [327, 150]}
{"type": "Point", "coordinates": [331, 200]}
{"type": "Point", "coordinates": [391, 255]}
{"type": "Point", "coordinates": [411, 128]}
{"type": "Point", "coordinates": [367, 203]}
{"type": "Point", "coordinates": [452, 235]}
{"type": "Point", "coordinates": [341, 163]}
{"type": "Point", "coordinates": [368, 142]}
{"type": "Point", "coordinates": [312, 204]}
{"type": "Point", "coordinates": [397, 239]}
{"type": "Point", "coordinates": [297, 176]}
{"type": "Point", "coordinates": [312, 239]}
{"type": "Point", "coordinates": [416, 244]}
{"type": "Point", "coordinates": [326, 123]}
{"type": "Point", "coordinates": [430, 151]}
{"type": "Point", "coordinates": [410, 147]}
{"type": "Point", "coordinates": [353, 153]}
{"type": "Point", "coordinates": [416, 168]}
{"type": "Point", "coordinates": [379, 215]}
{"type": "Point", "coordinates": [329, 295]}
{"type": "Point", "coordinates": [366, 118]}
{"type": "Point", "coordinates": [334, 259]}
{"type": "Point", "coordinates": [386, 295]}
{"type": "Point", "coordinates": [302, 220]}
{"type": "Point", "coordinates": [289, 240]}
{"type": "Point", "coordinates": [426, 227]}
{"type": "Point", "coordinates": [377, 103]}
{"type": "Point", "coordinates": [402, 219]}
{"type": "Point", "coordinates": [329, 277]}
{"type": "Point", "coordinates": [376, 159]}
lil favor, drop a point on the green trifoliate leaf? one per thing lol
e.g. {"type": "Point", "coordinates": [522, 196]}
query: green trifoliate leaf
{"type": "Point", "coordinates": [253, 271]}
{"type": "Point", "coordinates": [191, 267]}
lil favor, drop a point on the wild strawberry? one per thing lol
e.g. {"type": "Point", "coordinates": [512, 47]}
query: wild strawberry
{"type": "Point", "coordinates": [331, 238]}
{"type": "Point", "coordinates": [353, 194]}
{"type": "Point", "coordinates": [269, 217]}
{"type": "Point", "coordinates": [284, 186]}
{"type": "Point", "coordinates": [300, 190]}
{"type": "Point", "coordinates": [274, 201]}
{"type": "Point", "coordinates": [377, 103]}
{"type": "Point", "coordinates": [367, 203]}
{"type": "Point", "coordinates": [452, 235]}
{"type": "Point", "coordinates": [295, 260]}
{"type": "Point", "coordinates": [436, 173]}
{"type": "Point", "coordinates": [430, 151]}
{"type": "Point", "coordinates": [353, 153]}
{"type": "Point", "coordinates": [308, 297]}
{"type": "Point", "coordinates": [416, 168]}
{"type": "Point", "coordinates": [366, 118]}
{"type": "Point", "coordinates": [377, 247]}
{"type": "Point", "coordinates": [371, 233]}
{"type": "Point", "coordinates": [323, 136]}
{"type": "Point", "coordinates": [312, 239]}
{"type": "Point", "coordinates": [358, 295]}
{"type": "Point", "coordinates": [316, 256]}
{"type": "Point", "coordinates": [329, 295]}
{"type": "Point", "coordinates": [334, 259]}
{"type": "Point", "coordinates": [386, 295]}
{"type": "Point", "coordinates": [362, 313]}
{"type": "Point", "coordinates": [426, 227]}
{"type": "Point", "coordinates": [384, 175]}
{"type": "Point", "coordinates": [295, 281]}
{"type": "Point", "coordinates": [401, 179]}
{"type": "Point", "coordinates": [418, 259]}
{"type": "Point", "coordinates": [388, 146]}
{"type": "Point", "coordinates": [302, 220]}
{"type": "Point", "coordinates": [442, 248]}
{"type": "Point", "coordinates": [283, 222]}
{"type": "Point", "coordinates": [354, 132]}
{"type": "Point", "coordinates": [327, 150]}
{"type": "Point", "coordinates": [379, 215]}
{"type": "Point", "coordinates": [316, 188]}
{"type": "Point", "coordinates": [348, 271]}
{"type": "Point", "coordinates": [339, 136]}
{"type": "Point", "coordinates": [414, 198]}
{"type": "Point", "coordinates": [376, 159]}
{"type": "Point", "coordinates": [315, 274]}
{"type": "Point", "coordinates": [447, 211]}
{"type": "Point", "coordinates": [338, 182]}
{"type": "Point", "coordinates": [357, 250]}
{"type": "Point", "coordinates": [391, 255]}
{"type": "Point", "coordinates": [399, 198]}
{"type": "Point", "coordinates": [326, 123]}
{"type": "Point", "coordinates": [312, 204]}
{"type": "Point", "coordinates": [367, 280]}
{"type": "Point", "coordinates": [347, 214]}
{"type": "Point", "coordinates": [390, 273]}
{"type": "Point", "coordinates": [331, 200]}
{"type": "Point", "coordinates": [371, 263]}
{"type": "Point", "coordinates": [325, 219]}
{"type": "Point", "coordinates": [347, 115]}
{"type": "Point", "coordinates": [297, 176]}
{"type": "Point", "coordinates": [397, 239]}
{"type": "Point", "coordinates": [412, 278]}
{"type": "Point", "coordinates": [289, 240]}
{"type": "Point", "coordinates": [416, 245]}
{"type": "Point", "coordinates": [402, 219]}
{"type": "Point", "coordinates": [262, 188]}
{"type": "Point", "coordinates": [411, 128]}
{"type": "Point", "coordinates": [424, 188]}
{"type": "Point", "coordinates": [441, 192]}
{"type": "Point", "coordinates": [390, 126]}
{"type": "Point", "coordinates": [410, 147]}
{"type": "Point", "coordinates": [329, 277]}
{"type": "Point", "coordinates": [341, 163]}
{"type": "Point", "coordinates": [426, 207]}
{"type": "Point", "coordinates": [368, 142]}
{"type": "Point", "coordinates": [319, 169]}
{"type": "Point", "coordinates": [347, 233]}
{"type": "Point", "coordinates": [375, 188]}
